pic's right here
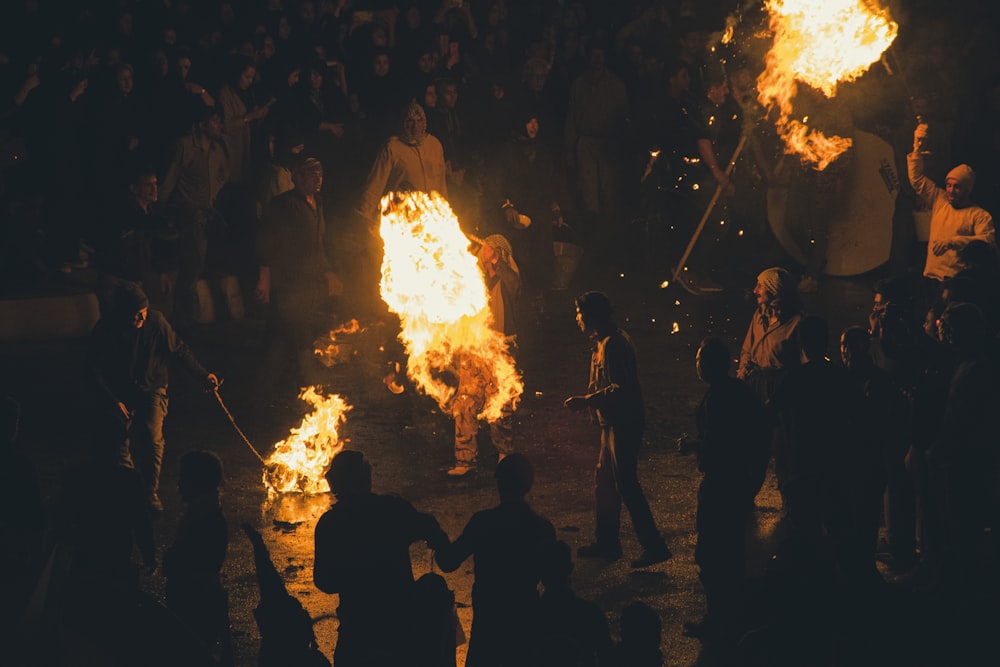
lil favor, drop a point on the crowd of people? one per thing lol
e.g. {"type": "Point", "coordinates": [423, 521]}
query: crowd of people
{"type": "Point", "coordinates": [236, 152]}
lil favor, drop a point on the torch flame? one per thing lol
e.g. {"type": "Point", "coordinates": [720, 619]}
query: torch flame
{"type": "Point", "coordinates": [821, 43]}
{"type": "Point", "coordinates": [299, 462]}
{"type": "Point", "coordinates": [433, 283]}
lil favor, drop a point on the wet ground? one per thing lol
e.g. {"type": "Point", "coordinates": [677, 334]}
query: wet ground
{"type": "Point", "coordinates": [409, 443]}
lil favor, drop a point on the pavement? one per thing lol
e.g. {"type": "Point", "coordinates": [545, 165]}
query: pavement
{"type": "Point", "coordinates": [409, 443]}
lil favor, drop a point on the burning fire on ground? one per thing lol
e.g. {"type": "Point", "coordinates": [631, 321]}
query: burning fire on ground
{"type": "Point", "coordinates": [819, 43]}
{"type": "Point", "coordinates": [298, 462]}
{"type": "Point", "coordinates": [432, 281]}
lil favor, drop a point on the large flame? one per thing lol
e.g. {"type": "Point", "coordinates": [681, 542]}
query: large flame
{"type": "Point", "coordinates": [298, 462]}
{"type": "Point", "coordinates": [433, 283]}
{"type": "Point", "coordinates": [821, 43]}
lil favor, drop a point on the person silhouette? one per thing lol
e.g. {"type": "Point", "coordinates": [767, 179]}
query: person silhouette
{"type": "Point", "coordinates": [286, 629]}
{"type": "Point", "coordinates": [509, 544]}
{"type": "Point", "coordinates": [576, 631]}
{"type": "Point", "coordinates": [641, 634]}
{"type": "Point", "coordinates": [192, 565]}
{"type": "Point", "coordinates": [362, 553]}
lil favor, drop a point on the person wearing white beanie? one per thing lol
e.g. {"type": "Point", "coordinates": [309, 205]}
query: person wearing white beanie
{"type": "Point", "coordinates": [955, 220]}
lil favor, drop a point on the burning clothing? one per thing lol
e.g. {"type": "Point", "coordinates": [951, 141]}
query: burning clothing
{"type": "Point", "coordinates": [947, 223]}
{"type": "Point", "coordinates": [474, 379]}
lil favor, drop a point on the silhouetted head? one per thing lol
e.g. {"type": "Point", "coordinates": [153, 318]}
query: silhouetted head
{"type": "Point", "coordinates": [201, 474]}
{"type": "Point", "coordinates": [979, 255]}
{"type": "Point", "coordinates": [131, 305]}
{"type": "Point", "coordinates": [855, 347]}
{"type": "Point", "coordinates": [963, 328]}
{"type": "Point", "coordinates": [349, 474]}
{"type": "Point", "coordinates": [514, 476]}
{"type": "Point", "coordinates": [308, 177]}
{"type": "Point", "coordinates": [593, 311]}
{"type": "Point", "coordinates": [814, 336]}
{"type": "Point", "coordinates": [712, 360]}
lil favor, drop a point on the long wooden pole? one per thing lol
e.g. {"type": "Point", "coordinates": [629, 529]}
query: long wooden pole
{"type": "Point", "coordinates": [708, 211]}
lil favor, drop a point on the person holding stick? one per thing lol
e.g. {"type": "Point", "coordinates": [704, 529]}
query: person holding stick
{"type": "Point", "coordinates": [691, 165]}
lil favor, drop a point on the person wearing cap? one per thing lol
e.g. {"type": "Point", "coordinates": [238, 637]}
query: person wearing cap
{"type": "Point", "coordinates": [131, 348]}
{"type": "Point", "coordinates": [955, 220]}
{"type": "Point", "coordinates": [295, 275]}
{"type": "Point", "coordinates": [362, 554]}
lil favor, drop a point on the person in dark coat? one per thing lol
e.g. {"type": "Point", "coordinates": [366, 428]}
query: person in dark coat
{"type": "Point", "coordinates": [295, 275]}
{"type": "Point", "coordinates": [733, 449]}
{"type": "Point", "coordinates": [363, 555]}
{"type": "Point", "coordinates": [509, 544]}
{"type": "Point", "coordinates": [130, 350]}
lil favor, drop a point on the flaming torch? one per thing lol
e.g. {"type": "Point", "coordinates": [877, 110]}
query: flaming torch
{"type": "Point", "coordinates": [820, 43]}
{"type": "Point", "coordinates": [433, 283]}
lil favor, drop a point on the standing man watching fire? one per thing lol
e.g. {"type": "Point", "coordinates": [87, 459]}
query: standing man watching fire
{"type": "Point", "coordinates": [614, 399]}
{"type": "Point", "coordinates": [955, 220]}
{"type": "Point", "coordinates": [130, 349]}
{"type": "Point", "coordinates": [295, 275]}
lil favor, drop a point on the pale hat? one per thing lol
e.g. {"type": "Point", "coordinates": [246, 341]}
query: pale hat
{"type": "Point", "coordinates": [963, 174]}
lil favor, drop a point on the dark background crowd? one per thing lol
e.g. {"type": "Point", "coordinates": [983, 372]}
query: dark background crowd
{"type": "Point", "coordinates": [144, 141]}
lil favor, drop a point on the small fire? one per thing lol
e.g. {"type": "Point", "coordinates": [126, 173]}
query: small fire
{"type": "Point", "coordinates": [330, 350]}
{"type": "Point", "coordinates": [432, 281]}
{"type": "Point", "coordinates": [298, 462]}
{"type": "Point", "coordinates": [820, 43]}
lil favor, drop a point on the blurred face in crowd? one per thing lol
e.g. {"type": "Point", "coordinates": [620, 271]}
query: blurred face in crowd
{"type": "Point", "coordinates": [315, 80]}
{"type": "Point", "coordinates": [310, 182]}
{"type": "Point", "coordinates": [426, 63]}
{"type": "Point", "coordinates": [146, 190]}
{"type": "Point", "coordinates": [267, 48]}
{"type": "Point", "coordinates": [184, 67]}
{"type": "Point", "coordinates": [415, 126]}
{"type": "Point", "coordinates": [247, 77]}
{"type": "Point", "coordinates": [380, 65]}
{"type": "Point", "coordinates": [125, 80]}
{"type": "Point", "coordinates": [531, 128]}
{"type": "Point", "coordinates": [449, 95]}
{"type": "Point", "coordinates": [212, 127]}
{"type": "Point", "coordinates": [431, 96]}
